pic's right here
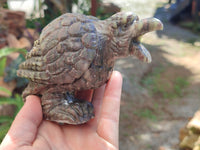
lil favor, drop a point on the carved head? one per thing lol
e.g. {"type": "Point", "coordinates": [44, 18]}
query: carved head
{"type": "Point", "coordinates": [126, 31]}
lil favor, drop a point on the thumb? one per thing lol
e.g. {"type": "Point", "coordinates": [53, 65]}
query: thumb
{"type": "Point", "coordinates": [24, 128]}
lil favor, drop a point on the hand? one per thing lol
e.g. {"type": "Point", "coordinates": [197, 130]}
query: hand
{"type": "Point", "coordinates": [30, 132]}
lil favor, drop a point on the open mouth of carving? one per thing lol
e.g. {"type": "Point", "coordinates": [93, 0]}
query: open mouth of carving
{"type": "Point", "coordinates": [139, 28]}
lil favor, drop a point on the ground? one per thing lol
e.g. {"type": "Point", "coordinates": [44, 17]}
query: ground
{"type": "Point", "coordinates": [159, 98]}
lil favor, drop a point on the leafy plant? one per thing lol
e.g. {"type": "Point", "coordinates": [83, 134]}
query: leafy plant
{"type": "Point", "coordinates": [146, 113]}
{"type": "Point", "coordinates": [2, 65]}
{"type": "Point", "coordinates": [6, 121]}
{"type": "Point", "coordinates": [180, 83]}
{"type": "Point", "coordinates": [164, 86]}
{"type": "Point", "coordinates": [40, 22]}
{"type": "Point", "coordinates": [194, 26]}
{"type": "Point", "coordinates": [82, 6]}
{"type": "Point", "coordinates": [5, 90]}
{"type": "Point", "coordinates": [11, 72]}
{"type": "Point", "coordinates": [53, 10]}
{"type": "Point", "coordinates": [5, 52]}
{"type": "Point", "coordinates": [16, 100]}
{"type": "Point", "coordinates": [12, 68]}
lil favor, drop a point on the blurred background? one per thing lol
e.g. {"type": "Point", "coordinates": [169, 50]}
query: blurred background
{"type": "Point", "coordinates": [160, 107]}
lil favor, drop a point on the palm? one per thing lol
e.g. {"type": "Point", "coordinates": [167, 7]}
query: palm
{"type": "Point", "coordinates": [94, 133]}
{"type": "Point", "coordinates": [99, 133]}
{"type": "Point", "coordinates": [70, 137]}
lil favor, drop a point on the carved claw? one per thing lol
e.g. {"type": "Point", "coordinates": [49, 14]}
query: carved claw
{"type": "Point", "coordinates": [63, 111]}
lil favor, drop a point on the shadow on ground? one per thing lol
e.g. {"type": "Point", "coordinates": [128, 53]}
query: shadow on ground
{"type": "Point", "coordinates": [152, 119]}
{"type": "Point", "coordinates": [173, 31]}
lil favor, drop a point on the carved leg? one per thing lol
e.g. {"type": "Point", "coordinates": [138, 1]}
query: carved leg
{"type": "Point", "coordinates": [65, 108]}
{"type": "Point", "coordinates": [33, 89]}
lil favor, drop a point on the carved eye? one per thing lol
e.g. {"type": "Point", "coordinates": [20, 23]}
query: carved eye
{"type": "Point", "coordinates": [114, 25]}
{"type": "Point", "coordinates": [124, 27]}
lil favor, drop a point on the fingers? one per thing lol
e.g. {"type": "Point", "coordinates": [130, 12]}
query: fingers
{"type": "Point", "coordinates": [109, 119]}
{"type": "Point", "coordinates": [97, 102]}
{"type": "Point", "coordinates": [24, 127]}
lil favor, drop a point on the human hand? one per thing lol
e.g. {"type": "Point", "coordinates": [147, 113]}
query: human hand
{"type": "Point", "coordinates": [30, 132]}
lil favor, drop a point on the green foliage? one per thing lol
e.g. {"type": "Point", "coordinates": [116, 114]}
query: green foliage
{"type": "Point", "coordinates": [16, 100]}
{"type": "Point", "coordinates": [51, 13]}
{"type": "Point", "coordinates": [4, 4]}
{"type": "Point", "coordinates": [146, 113]}
{"type": "Point", "coordinates": [41, 22]}
{"type": "Point", "coordinates": [2, 65]}
{"type": "Point", "coordinates": [5, 90]}
{"type": "Point", "coordinates": [194, 26]}
{"type": "Point", "coordinates": [166, 88]}
{"type": "Point", "coordinates": [192, 40]}
{"type": "Point", "coordinates": [6, 121]}
{"type": "Point", "coordinates": [150, 79]}
{"type": "Point", "coordinates": [5, 52]}
{"type": "Point", "coordinates": [101, 15]}
{"type": "Point", "coordinates": [11, 72]}
{"type": "Point", "coordinates": [180, 83]}
{"type": "Point", "coordinates": [33, 23]}
{"type": "Point", "coordinates": [4, 129]}
{"type": "Point", "coordinates": [12, 68]}
{"type": "Point", "coordinates": [82, 6]}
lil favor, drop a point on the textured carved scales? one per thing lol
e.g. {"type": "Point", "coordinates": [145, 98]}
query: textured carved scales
{"type": "Point", "coordinates": [77, 52]}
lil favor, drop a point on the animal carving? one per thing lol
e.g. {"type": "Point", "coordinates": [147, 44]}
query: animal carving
{"type": "Point", "coordinates": [76, 52]}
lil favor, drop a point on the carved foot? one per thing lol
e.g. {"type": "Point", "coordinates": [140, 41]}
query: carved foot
{"type": "Point", "coordinates": [65, 108]}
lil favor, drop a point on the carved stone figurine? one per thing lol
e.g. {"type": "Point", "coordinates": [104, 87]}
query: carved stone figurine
{"type": "Point", "coordinates": [76, 52]}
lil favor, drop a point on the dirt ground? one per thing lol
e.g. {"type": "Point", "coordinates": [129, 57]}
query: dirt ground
{"type": "Point", "coordinates": [159, 98]}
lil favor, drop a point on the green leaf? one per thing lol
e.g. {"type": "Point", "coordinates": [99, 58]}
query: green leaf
{"type": "Point", "coordinates": [6, 51]}
{"type": "Point", "coordinates": [4, 129]}
{"type": "Point", "coordinates": [4, 119]}
{"type": "Point", "coordinates": [6, 100]}
{"type": "Point", "coordinates": [19, 103]}
{"type": "Point", "coordinates": [5, 90]}
{"type": "Point", "coordinates": [2, 65]}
